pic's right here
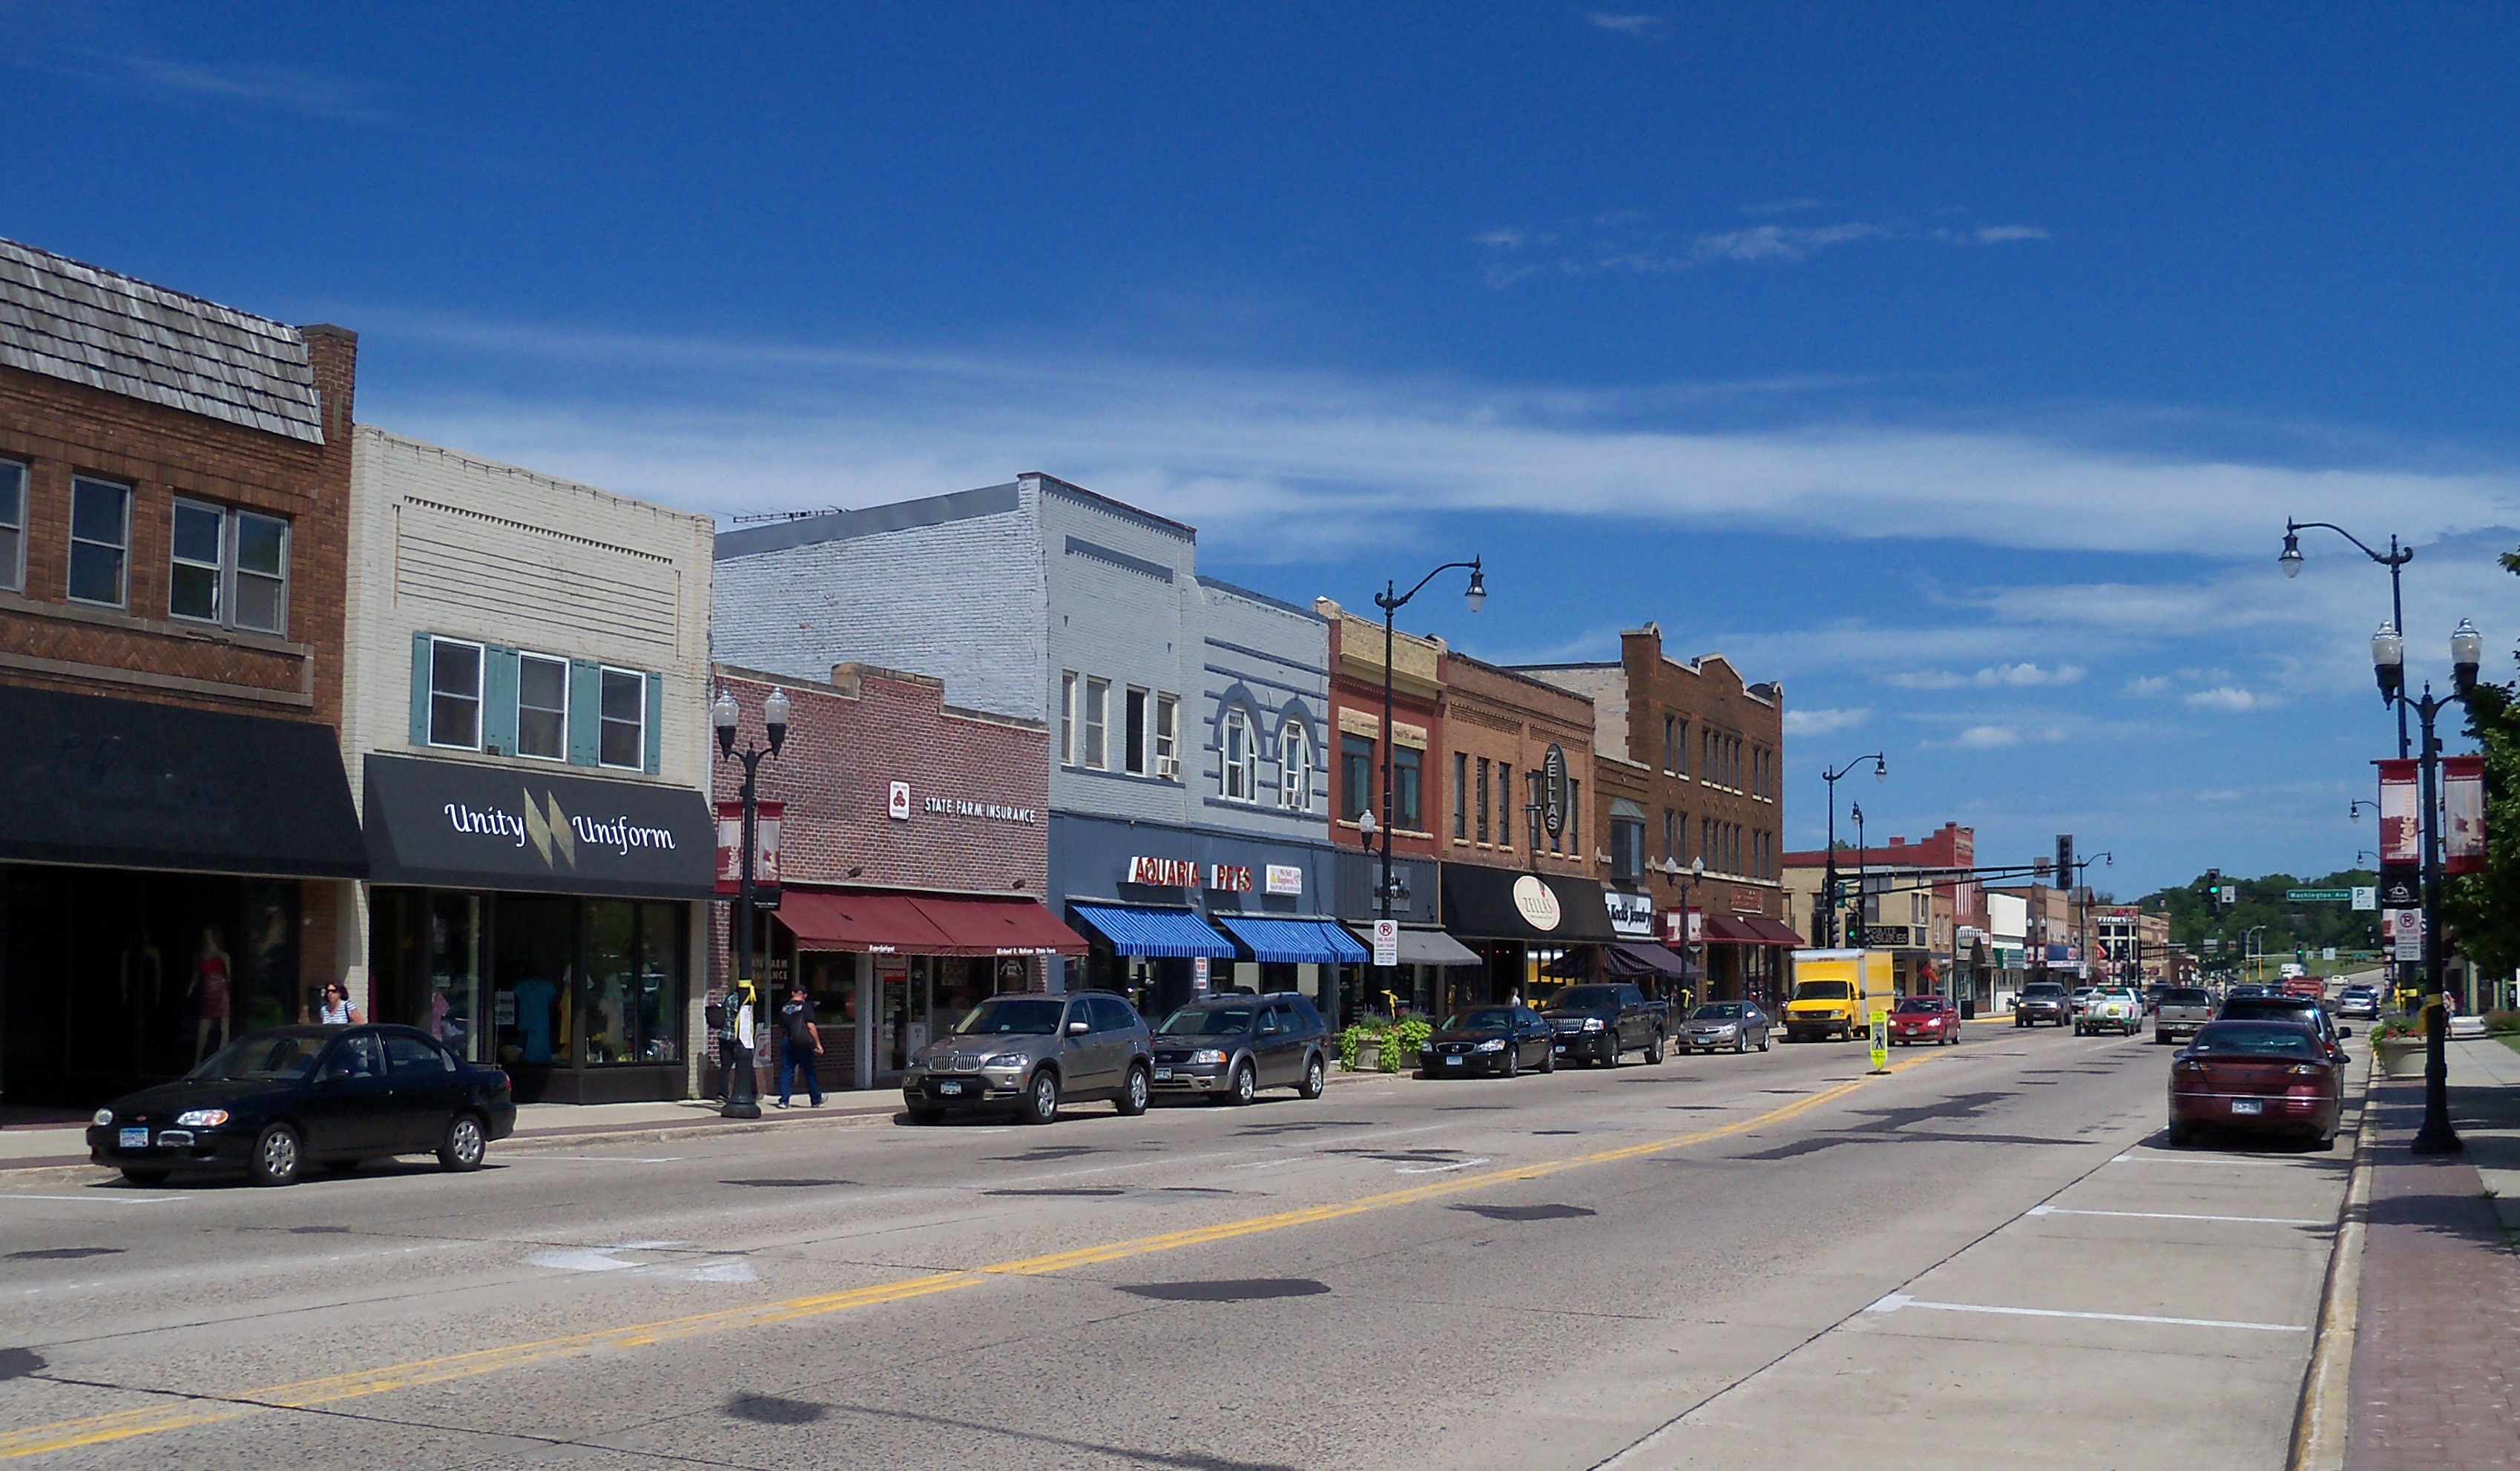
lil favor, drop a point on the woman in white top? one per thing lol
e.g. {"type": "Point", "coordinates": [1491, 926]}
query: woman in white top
{"type": "Point", "coordinates": [336, 1010]}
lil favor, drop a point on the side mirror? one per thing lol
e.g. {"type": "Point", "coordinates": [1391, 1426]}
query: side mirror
{"type": "Point", "coordinates": [1078, 1028]}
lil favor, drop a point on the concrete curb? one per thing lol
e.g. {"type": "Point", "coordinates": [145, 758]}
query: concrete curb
{"type": "Point", "coordinates": [2321, 1423]}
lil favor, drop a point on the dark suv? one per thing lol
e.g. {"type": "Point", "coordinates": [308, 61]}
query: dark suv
{"type": "Point", "coordinates": [2277, 1005]}
{"type": "Point", "coordinates": [1032, 1052]}
{"type": "Point", "coordinates": [1232, 1046]}
{"type": "Point", "coordinates": [2042, 1000]}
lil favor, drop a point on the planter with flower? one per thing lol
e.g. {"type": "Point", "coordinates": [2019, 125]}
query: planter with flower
{"type": "Point", "coordinates": [2400, 1044]}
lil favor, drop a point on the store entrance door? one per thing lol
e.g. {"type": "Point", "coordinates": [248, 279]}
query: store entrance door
{"type": "Point", "coordinates": [901, 1015]}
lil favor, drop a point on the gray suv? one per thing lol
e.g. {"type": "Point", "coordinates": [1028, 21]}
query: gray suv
{"type": "Point", "coordinates": [1032, 1053]}
{"type": "Point", "coordinates": [1232, 1046]}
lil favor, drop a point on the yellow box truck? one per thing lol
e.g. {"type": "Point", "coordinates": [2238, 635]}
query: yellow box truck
{"type": "Point", "coordinates": [1836, 992]}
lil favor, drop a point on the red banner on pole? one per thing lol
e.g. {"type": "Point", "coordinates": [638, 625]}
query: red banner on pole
{"type": "Point", "coordinates": [766, 818]}
{"type": "Point", "coordinates": [2462, 814]}
{"type": "Point", "coordinates": [2401, 823]}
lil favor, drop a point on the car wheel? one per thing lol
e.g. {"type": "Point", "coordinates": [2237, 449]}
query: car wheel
{"type": "Point", "coordinates": [1762, 1041]}
{"type": "Point", "coordinates": [1244, 1085]}
{"type": "Point", "coordinates": [464, 1144]}
{"type": "Point", "coordinates": [1041, 1099]}
{"type": "Point", "coordinates": [1653, 1050]}
{"type": "Point", "coordinates": [2180, 1135]}
{"type": "Point", "coordinates": [1548, 1059]}
{"type": "Point", "coordinates": [1512, 1060]}
{"type": "Point", "coordinates": [1740, 1043]}
{"type": "Point", "coordinates": [1132, 1100]}
{"type": "Point", "coordinates": [1315, 1079]}
{"type": "Point", "coordinates": [278, 1156]}
{"type": "Point", "coordinates": [146, 1177]}
{"type": "Point", "coordinates": [925, 1117]}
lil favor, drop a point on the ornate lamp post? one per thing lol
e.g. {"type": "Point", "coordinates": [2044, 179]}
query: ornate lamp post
{"type": "Point", "coordinates": [742, 1087]}
{"type": "Point", "coordinates": [1828, 938]}
{"type": "Point", "coordinates": [2389, 664]}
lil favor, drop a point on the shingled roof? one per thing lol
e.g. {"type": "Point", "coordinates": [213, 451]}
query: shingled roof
{"type": "Point", "coordinates": [67, 320]}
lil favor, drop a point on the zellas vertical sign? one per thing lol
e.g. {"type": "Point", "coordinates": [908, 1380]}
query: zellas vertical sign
{"type": "Point", "coordinates": [2462, 814]}
{"type": "Point", "coordinates": [2401, 849]}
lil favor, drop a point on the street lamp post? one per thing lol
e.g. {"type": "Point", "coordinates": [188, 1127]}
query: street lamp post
{"type": "Point", "coordinates": [1695, 873]}
{"type": "Point", "coordinates": [2389, 664]}
{"type": "Point", "coordinates": [1391, 600]}
{"type": "Point", "coordinates": [743, 1088]}
{"type": "Point", "coordinates": [2395, 559]}
{"type": "Point", "coordinates": [1828, 938]}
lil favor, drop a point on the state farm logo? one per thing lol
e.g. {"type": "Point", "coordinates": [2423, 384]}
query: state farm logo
{"type": "Point", "coordinates": [1537, 902]}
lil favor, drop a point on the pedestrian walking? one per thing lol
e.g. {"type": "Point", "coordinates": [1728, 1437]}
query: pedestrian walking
{"type": "Point", "coordinates": [333, 1008]}
{"type": "Point", "coordinates": [804, 1042]}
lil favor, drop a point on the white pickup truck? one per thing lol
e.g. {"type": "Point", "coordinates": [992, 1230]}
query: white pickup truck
{"type": "Point", "coordinates": [2110, 1009]}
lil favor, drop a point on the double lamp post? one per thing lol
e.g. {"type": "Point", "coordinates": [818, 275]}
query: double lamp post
{"type": "Point", "coordinates": [736, 1011]}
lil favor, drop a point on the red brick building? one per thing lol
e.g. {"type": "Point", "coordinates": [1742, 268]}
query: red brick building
{"type": "Point", "coordinates": [176, 833]}
{"type": "Point", "coordinates": [1416, 740]}
{"type": "Point", "coordinates": [914, 852]}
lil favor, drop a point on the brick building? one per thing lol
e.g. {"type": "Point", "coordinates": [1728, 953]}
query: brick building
{"type": "Point", "coordinates": [1934, 922]}
{"type": "Point", "coordinates": [914, 852]}
{"type": "Point", "coordinates": [176, 836]}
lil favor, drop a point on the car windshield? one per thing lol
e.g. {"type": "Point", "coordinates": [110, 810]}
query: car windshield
{"type": "Point", "coordinates": [2049, 990]}
{"type": "Point", "coordinates": [283, 1056]}
{"type": "Point", "coordinates": [1718, 1011]}
{"type": "Point", "coordinates": [1012, 1016]}
{"type": "Point", "coordinates": [2256, 1040]}
{"type": "Point", "coordinates": [1585, 998]}
{"type": "Point", "coordinates": [1484, 1019]}
{"type": "Point", "coordinates": [1921, 1004]}
{"type": "Point", "coordinates": [2272, 1007]}
{"type": "Point", "coordinates": [1207, 1021]}
{"type": "Point", "coordinates": [1821, 991]}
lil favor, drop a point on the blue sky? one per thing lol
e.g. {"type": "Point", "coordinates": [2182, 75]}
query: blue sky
{"type": "Point", "coordinates": [1955, 366]}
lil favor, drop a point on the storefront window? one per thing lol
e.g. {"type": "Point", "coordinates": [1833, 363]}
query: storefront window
{"type": "Point", "coordinates": [568, 982]}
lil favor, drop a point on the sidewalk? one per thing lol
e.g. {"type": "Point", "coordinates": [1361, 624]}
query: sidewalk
{"type": "Point", "coordinates": [2436, 1375]}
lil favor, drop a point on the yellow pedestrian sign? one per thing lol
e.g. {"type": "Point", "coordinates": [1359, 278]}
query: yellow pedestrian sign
{"type": "Point", "coordinates": [1881, 1042]}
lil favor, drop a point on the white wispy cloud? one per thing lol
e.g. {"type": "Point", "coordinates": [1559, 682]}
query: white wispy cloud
{"type": "Point", "coordinates": [1643, 28]}
{"type": "Point", "coordinates": [1822, 722]}
{"type": "Point", "coordinates": [2149, 685]}
{"type": "Point", "coordinates": [2021, 676]}
{"type": "Point", "coordinates": [2229, 699]}
{"type": "Point", "coordinates": [1632, 241]}
{"type": "Point", "coordinates": [266, 85]}
{"type": "Point", "coordinates": [1986, 737]}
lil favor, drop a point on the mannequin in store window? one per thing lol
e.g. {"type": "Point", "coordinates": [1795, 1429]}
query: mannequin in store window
{"type": "Point", "coordinates": [210, 991]}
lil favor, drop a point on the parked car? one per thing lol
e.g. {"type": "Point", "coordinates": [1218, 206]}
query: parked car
{"type": "Point", "coordinates": [1232, 1046]}
{"type": "Point", "coordinates": [2042, 1002]}
{"type": "Point", "coordinates": [1725, 1027]}
{"type": "Point", "coordinates": [2275, 1006]}
{"type": "Point", "coordinates": [2110, 1009]}
{"type": "Point", "coordinates": [2183, 1012]}
{"type": "Point", "coordinates": [1501, 1041]}
{"type": "Point", "coordinates": [2257, 1077]}
{"type": "Point", "coordinates": [1593, 1024]}
{"type": "Point", "coordinates": [2360, 1000]}
{"type": "Point", "coordinates": [1924, 1019]}
{"type": "Point", "coordinates": [1034, 1054]}
{"type": "Point", "coordinates": [271, 1103]}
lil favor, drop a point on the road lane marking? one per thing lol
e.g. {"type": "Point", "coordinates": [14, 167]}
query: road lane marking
{"type": "Point", "coordinates": [593, 1159]}
{"type": "Point", "coordinates": [1439, 1169]}
{"type": "Point", "coordinates": [103, 1199]}
{"type": "Point", "coordinates": [2058, 1209]}
{"type": "Point", "coordinates": [123, 1425]}
{"type": "Point", "coordinates": [1899, 1300]}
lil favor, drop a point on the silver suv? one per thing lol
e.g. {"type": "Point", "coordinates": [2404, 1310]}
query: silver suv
{"type": "Point", "coordinates": [1230, 1047]}
{"type": "Point", "coordinates": [1033, 1053]}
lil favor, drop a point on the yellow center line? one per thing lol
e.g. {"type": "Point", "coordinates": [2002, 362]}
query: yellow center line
{"type": "Point", "coordinates": [330, 1389]}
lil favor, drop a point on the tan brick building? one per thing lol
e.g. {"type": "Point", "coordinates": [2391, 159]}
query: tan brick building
{"type": "Point", "coordinates": [176, 835]}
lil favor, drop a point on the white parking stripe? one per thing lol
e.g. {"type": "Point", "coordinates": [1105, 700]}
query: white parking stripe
{"type": "Point", "coordinates": [2058, 1209]}
{"type": "Point", "coordinates": [100, 1199]}
{"type": "Point", "coordinates": [1898, 1300]}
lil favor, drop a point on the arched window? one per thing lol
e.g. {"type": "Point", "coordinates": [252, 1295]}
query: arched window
{"type": "Point", "coordinates": [1295, 768]}
{"type": "Point", "coordinates": [1240, 754]}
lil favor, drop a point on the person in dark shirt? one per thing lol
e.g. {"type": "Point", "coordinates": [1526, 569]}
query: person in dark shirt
{"type": "Point", "coordinates": [801, 1043]}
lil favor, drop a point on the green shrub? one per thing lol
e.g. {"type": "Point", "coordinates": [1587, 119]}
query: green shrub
{"type": "Point", "coordinates": [2503, 1023]}
{"type": "Point", "coordinates": [2397, 1027]}
{"type": "Point", "coordinates": [1400, 1042]}
{"type": "Point", "coordinates": [1357, 1035]}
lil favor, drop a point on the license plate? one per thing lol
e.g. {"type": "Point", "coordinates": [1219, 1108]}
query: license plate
{"type": "Point", "coordinates": [2247, 1105]}
{"type": "Point", "coordinates": [1164, 1075]}
{"type": "Point", "coordinates": [135, 1139]}
{"type": "Point", "coordinates": [1452, 1062]}
{"type": "Point", "coordinates": [1560, 1047]}
{"type": "Point", "coordinates": [949, 1088]}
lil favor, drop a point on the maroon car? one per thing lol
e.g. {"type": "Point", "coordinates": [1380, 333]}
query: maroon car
{"type": "Point", "coordinates": [1924, 1019]}
{"type": "Point", "coordinates": [2257, 1077]}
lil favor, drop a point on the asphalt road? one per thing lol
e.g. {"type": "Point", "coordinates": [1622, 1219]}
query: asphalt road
{"type": "Point", "coordinates": [1986, 1258]}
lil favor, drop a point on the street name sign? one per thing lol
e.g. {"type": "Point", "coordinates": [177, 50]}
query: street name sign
{"type": "Point", "coordinates": [2318, 896]}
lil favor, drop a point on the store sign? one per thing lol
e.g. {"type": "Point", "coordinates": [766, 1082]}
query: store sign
{"type": "Point", "coordinates": [2462, 814]}
{"type": "Point", "coordinates": [1748, 902]}
{"type": "Point", "coordinates": [988, 812]}
{"type": "Point", "coordinates": [767, 820]}
{"type": "Point", "coordinates": [898, 804]}
{"type": "Point", "coordinates": [1553, 789]}
{"type": "Point", "coordinates": [1285, 878]}
{"type": "Point", "coordinates": [448, 824]}
{"type": "Point", "coordinates": [1229, 879]}
{"type": "Point", "coordinates": [1164, 873]}
{"type": "Point", "coordinates": [1630, 914]}
{"type": "Point", "coordinates": [1537, 903]}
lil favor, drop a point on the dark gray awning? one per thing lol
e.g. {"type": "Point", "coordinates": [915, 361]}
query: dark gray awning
{"type": "Point", "coordinates": [1423, 947]}
{"type": "Point", "coordinates": [122, 783]}
{"type": "Point", "coordinates": [461, 824]}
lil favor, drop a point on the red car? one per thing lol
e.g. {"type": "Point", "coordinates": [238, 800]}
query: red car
{"type": "Point", "coordinates": [1924, 1019]}
{"type": "Point", "coordinates": [2257, 1077]}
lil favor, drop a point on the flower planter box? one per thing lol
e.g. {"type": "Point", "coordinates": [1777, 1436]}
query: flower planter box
{"type": "Point", "coordinates": [2401, 1057]}
{"type": "Point", "coordinates": [1369, 1058]}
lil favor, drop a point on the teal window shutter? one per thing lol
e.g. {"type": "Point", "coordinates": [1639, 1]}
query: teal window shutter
{"type": "Point", "coordinates": [499, 700]}
{"type": "Point", "coordinates": [655, 723]}
{"type": "Point", "coordinates": [420, 689]}
{"type": "Point", "coordinates": [585, 712]}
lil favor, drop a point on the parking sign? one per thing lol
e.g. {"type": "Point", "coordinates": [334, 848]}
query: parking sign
{"type": "Point", "coordinates": [1386, 942]}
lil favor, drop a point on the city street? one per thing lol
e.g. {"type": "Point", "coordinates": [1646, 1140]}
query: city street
{"type": "Point", "coordinates": [1773, 1260]}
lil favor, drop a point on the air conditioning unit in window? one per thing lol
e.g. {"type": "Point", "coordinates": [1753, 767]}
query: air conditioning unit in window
{"type": "Point", "coordinates": [1167, 767]}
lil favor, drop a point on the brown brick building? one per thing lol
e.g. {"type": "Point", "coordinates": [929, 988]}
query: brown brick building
{"type": "Point", "coordinates": [176, 833]}
{"type": "Point", "coordinates": [1357, 756]}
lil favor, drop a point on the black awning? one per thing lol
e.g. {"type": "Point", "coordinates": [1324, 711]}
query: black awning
{"type": "Point", "coordinates": [122, 783]}
{"type": "Point", "coordinates": [1509, 903]}
{"type": "Point", "coordinates": [458, 825]}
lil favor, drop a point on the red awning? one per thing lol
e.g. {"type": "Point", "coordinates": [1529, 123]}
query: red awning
{"type": "Point", "coordinates": [1749, 929]}
{"type": "Point", "coordinates": [878, 923]}
{"type": "Point", "coordinates": [999, 927]}
{"type": "Point", "coordinates": [1771, 932]}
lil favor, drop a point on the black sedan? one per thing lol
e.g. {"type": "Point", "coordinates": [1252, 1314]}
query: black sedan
{"type": "Point", "coordinates": [271, 1103]}
{"type": "Point", "coordinates": [1501, 1041]}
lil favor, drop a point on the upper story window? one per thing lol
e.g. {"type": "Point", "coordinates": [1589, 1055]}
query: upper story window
{"type": "Point", "coordinates": [228, 566]}
{"type": "Point", "coordinates": [542, 707]}
{"type": "Point", "coordinates": [1483, 799]}
{"type": "Point", "coordinates": [100, 542]}
{"type": "Point", "coordinates": [1408, 788]}
{"type": "Point", "coordinates": [1134, 732]}
{"type": "Point", "coordinates": [1067, 719]}
{"type": "Point", "coordinates": [1460, 796]}
{"type": "Point", "coordinates": [1097, 713]}
{"type": "Point", "coordinates": [1167, 738]}
{"type": "Point", "coordinates": [1295, 768]}
{"type": "Point", "coordinates": [1356, 776]}
{"type": "Point", "coordinates": [454, 694]}
{"type": "Point", "coordinates": [1627, 849]}
{"type": "Point", "coordinates": [1505, 804]}
{"type": "Point", "coordinates": [12, 527]}
{"type": "Point", "coordinates": [622, 740]}
{"type": "Point", "coordinates": [1675, 737]}
{"type": "Point", "coordinates": [1240, 757]}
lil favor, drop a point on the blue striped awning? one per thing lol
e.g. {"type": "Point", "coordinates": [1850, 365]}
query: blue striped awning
{"type": "Point", "coordinates": [1296, 942]}
{"type": "Point", "coordinates": [1176, 933]}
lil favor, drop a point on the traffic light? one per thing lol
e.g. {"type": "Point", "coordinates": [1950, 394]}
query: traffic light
{"type": "Point", "coordinates": [2064, 860]}
{"type": "Point", "coordinates": [2214, 889]}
